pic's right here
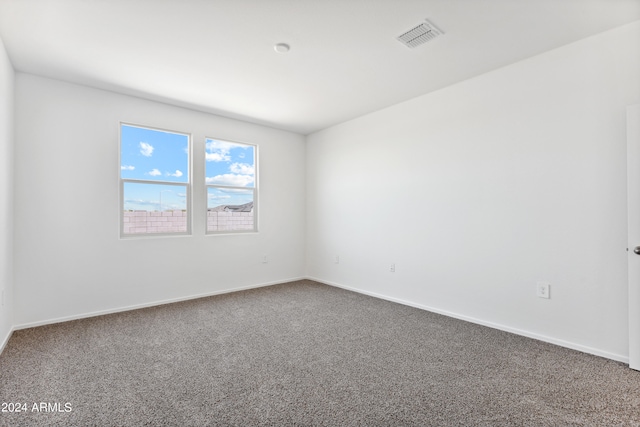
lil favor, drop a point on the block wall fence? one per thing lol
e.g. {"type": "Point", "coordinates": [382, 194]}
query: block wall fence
{"type": "Point", "coordinates": [176, 221]}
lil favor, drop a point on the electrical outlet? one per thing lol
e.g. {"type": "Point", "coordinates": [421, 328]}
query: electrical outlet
{"type": "Point", "coordinates": [337, 260]}
{"type": "Point", "coordinates": [264, 259]}
{"type": "Point", "coordinates": [543, 290]}
{"type": "Point", "coordinates": [393, 267]}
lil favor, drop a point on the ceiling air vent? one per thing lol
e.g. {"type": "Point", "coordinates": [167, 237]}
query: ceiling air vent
{"type": "Point", "coordinates": [419, 34]}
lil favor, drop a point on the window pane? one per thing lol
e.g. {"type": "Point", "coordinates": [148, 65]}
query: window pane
{"type": "Point", "coordinates": [229, 209]}
{"type": "Point", "coordinates": [230, 163]}
{"type": "Point", "coordinates": [150, 154]}
{"type": "Point", "coordinates": [154, 208]}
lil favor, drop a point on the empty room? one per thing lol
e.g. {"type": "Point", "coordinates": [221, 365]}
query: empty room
{"type": "Point", "coordinates": [320, 212]}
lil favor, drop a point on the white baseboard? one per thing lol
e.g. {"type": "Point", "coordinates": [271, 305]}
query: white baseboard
{"type": "Point", "coordinates": [544, 338]}
{"type": "Point", "coordinates": [551, 340]}
{"type": "Point", "coordinates": [146, 305]}
{"type": "Point", "coordinates": [4, 342]}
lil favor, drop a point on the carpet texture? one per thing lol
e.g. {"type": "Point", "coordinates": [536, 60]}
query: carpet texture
{"type": "Point", "coordinates": [303, 354]}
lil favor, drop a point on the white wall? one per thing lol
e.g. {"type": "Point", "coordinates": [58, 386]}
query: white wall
{"type": "Point", "coordinates": [6, 194]}
{"type": "Point", "coordinates": [67, 166]}
{"type": "Point", "coordinates": [481, 189]}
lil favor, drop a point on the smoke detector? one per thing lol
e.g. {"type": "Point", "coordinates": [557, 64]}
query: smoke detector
{"type": "Point", "coordinates": [282, 48]}
{"type": "Point", "coordinates": [419, 34]}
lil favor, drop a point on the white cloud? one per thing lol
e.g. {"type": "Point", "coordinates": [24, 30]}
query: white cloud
{"type": "Point", "coordinates": [235, 190]}
{"type": "Point", "coordinates": [177, 174]}
{"type": "Point", "coordinates": [214, 144]}
{"type": "Point", "coordinates": [217, 157]}
{"type": "Point", "coordinates": [231, 179]}
{"type": "Point", "coordinates": [127, 167]}
{"type": "Point", "coordinates": [242, 168]}
{"type": "Point", "coordinates": [218, 196]}
{"type": "Point", "coordinates": [146, 149]}
{"type": "Point", "coordinates": [154, 172]}
{"type": "Point", "coordinates": [218, 151]}
{"type": "Point", "coordinates": [138, 203]}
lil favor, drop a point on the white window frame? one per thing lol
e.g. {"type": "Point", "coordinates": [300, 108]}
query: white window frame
{"type": "Point", "coordinates": [187, 185]}
{"type": "Point", "coordinates": [254, 188]}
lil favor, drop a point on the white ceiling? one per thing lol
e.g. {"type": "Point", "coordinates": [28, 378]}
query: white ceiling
{"type": "Point", "coordinates": [217, 55]}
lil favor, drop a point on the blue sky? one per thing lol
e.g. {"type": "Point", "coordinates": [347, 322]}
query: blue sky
{"type": "Point", "coordinates": [154, 155]}
{"type": "Point", "coordinates": [229, 164]}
